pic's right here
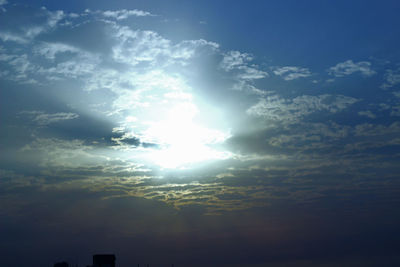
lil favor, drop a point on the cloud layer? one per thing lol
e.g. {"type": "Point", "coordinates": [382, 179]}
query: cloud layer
{"type": "Point", "coordinates": [105, 109]}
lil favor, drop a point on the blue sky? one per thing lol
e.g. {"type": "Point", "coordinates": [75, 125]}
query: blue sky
{"type": "Point", "coordinates": [248, 134]}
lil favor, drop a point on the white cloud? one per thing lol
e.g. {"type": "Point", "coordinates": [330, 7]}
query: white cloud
{"type": "Point", "coordinates": [124, 14]}
{"type": "Point", "coordinates": [395, 111]}
{"type": "Point", "coordinates": [235, 60]}
{"type": "Point", "coordinates": [368, 129]}
{"type": "Point", "coordinates": [2, 3]}
{"type": "Point", "coordinates": [50, 50]}
{"type": "Point", "coordinates": [42, 118]}
{"type": "Point", "coordinates": [82, 65]}
{"type": "Point", "coordinates": [349, 67]}
{"type": "Point", "coordinates": [21, 68]}
{"type": "Point", "coordinates": [392, 78]}
{"type": "Point", "coordinates": [6, 36]}
{"type": "Point", "coordinates": [55, 17]}
{"type": "Point", "coordinates": [291, 73]}
{"type": "Point", "coordinates": [291, 110]}
{"type": "Point", "coordinates": [367, 113]}
{"type": "Point", "coordinates": [31, 25]}
{"type": "Point", "coordinates": [250, 73]}
{"type": "Point", "coordinates": [136, 46]}
{"type": "Point", "coordinates": [73, 15]}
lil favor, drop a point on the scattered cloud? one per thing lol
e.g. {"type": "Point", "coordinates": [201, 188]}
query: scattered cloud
{"type": "Point", "coordinates": [235, 60]}
{"type": "Point", "coordinates": [291, 110]}
{"type": "Point", "coordinates": [395, 111]}
{"type": "Point", "coordinates": [349, 67]}
{"type": "Point", "coordinates": [50, 50]}
{"type": "Point", "coordinates": [369, 129]}
{"type": "Point", "coordinates": [289, 73]}
{"type": "Point", "coordinates": [367, 113]}
{"type": "Point", "coordinates": [6, 36]}
{"type": "Point", "coordinates": [2, 3]}
{"type": "Point", "coordinates": [24, 28]}
{"type": "Point", "coordinates": [60, 153]}
{"type": "Point", "coordinates": [124, 13]}
{"type": "Point", "coordinates": [392, 78]}
{"type": "Point", "coordinates": [132, 79]}
{"type": "Point", "coordinates": [43, 119]}
{"type": "Point", "coordinates": [104, 112]}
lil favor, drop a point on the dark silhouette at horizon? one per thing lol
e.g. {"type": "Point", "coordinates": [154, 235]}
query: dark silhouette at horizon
{"type": "Point", "coordinates": [99, 260]}
{"type": "Point", "coordinates": [103, 260]}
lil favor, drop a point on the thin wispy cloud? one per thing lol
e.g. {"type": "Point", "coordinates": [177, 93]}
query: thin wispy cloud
{"type": "Point", "coordinates": [289, 73]}
{"type": "Point", "coordinates": [349, 67]}
{"type": "Point", "coordinates": [42, 118]}
{"type": "Point", "coordinates": [392, 78]}
{"type": "Point", "coordinates": [124, 13]}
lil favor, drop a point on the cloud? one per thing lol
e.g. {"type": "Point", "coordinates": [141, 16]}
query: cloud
{"type": "Point", "coordinates": [26, 26]}
{"type": "Point", "coordinates": [276, 108]}
{"type": "Point", "coordinates": [235, 60]}
{"type": "Point", "coordinates": [367, 113]}
{"type": "Point", "coordinates": [21, 68]}
{"type": "Point", "coordinates": [368, 129]}
{"type": "Point", "coordinates": [392, 78]}
{"type": "Point", "coordinates": [148, 47]}
{"type": "Point", "coordinates": [349, 67]}
{"type": "Point", "coordinates": [395, 111]}
{"type": "Point", "coordinates": [291, 73]}
{"type": "Point", "coordinates": [2, 3]}
{"type": "Point", "coordinates": [73, 68]}
{"type": "Point", "coordinates": [55, 17]}
{"type": "Point", "coordinates": [124, 13]}
{"type": "Point", "coordinates": [131, 79]}
{"type": "Point", "coordinates": [63, 154]}
{"type": "Point", "coordinates": [50, 50]}
{"type": "Point", "coordinates": [6, 36]}
{"type": "Point", "coordinates": [43, 119]}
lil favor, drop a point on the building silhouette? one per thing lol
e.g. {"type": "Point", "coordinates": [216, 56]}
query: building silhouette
{"type": "Point", "coordinates": [61, 264]}
{"type": "Point", "coordinates": [104, 260]}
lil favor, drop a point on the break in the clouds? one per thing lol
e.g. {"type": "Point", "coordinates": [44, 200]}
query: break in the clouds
{"type": "Point", "coordinates": [182, 134]}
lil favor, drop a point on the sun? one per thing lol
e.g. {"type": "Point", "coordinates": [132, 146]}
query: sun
{"type": "Point", "coordinates": [184, 142]}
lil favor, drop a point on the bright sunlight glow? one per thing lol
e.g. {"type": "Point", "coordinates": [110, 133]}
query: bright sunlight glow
{"type": "Point", "coordinates": [183, 141]}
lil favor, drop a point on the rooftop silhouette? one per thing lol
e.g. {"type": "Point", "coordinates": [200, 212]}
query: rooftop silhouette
{"type": "Point", "coordinates": [103, 260]}
{"type": "Point", "coordinates": [61, 264]}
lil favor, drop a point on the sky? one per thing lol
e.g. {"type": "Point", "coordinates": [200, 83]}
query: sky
{"type": "Point", "coordinates": [200, 133]}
